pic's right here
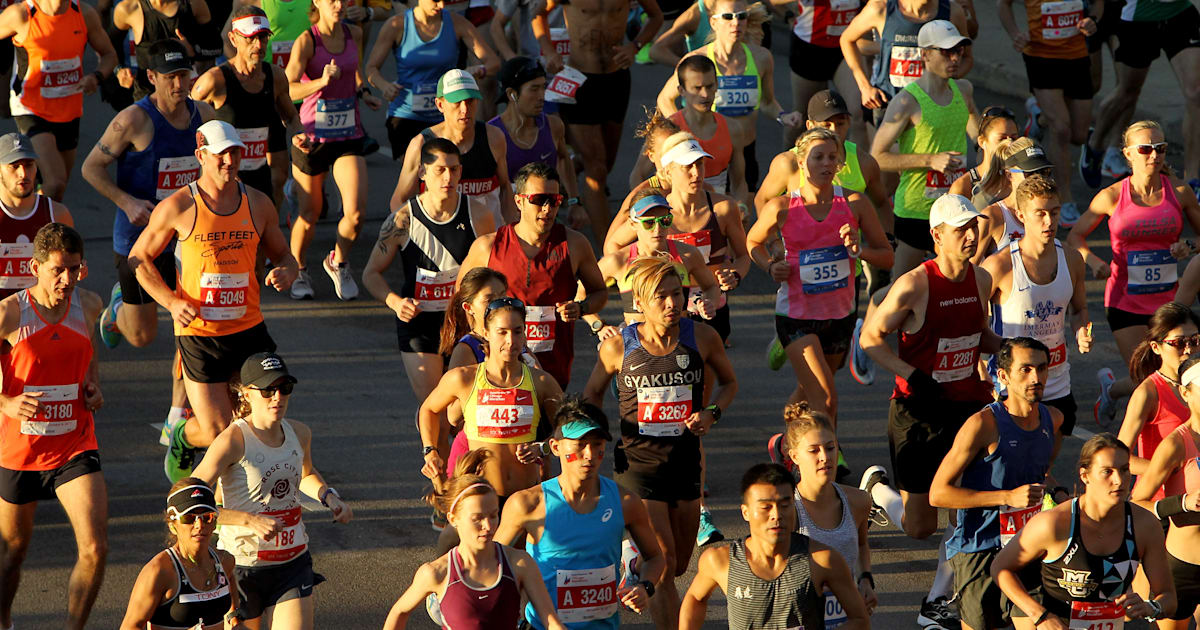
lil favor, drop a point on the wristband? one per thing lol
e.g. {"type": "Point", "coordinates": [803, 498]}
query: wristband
{"type": "Point", "coordinates": [1157, 609]}
{"type": "Point", "coordinates": [100, 79]}
{"type": "Point", "coordinates": [582, 307]}
{"type": "Point", "coordinates": [1170, 506]}
{"type": "Point", "coordinates": [572, 201]}
{"type": "Point", "coordinates": [866, 575]}
{"type": "Point", "coordinates": [1040, 619]}
{"type": "Point", "coordinates": [324, 496]}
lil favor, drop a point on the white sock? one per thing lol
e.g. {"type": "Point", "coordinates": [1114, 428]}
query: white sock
{"type": "Point", "coordinates": [176, 413]}
{"type": "Point", "coordinates": [887, 498]}
{"type": "Point", "coordinates": [943, 579]}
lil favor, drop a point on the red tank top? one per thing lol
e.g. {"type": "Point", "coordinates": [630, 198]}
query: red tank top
{"type": "Point", "coordinates": [468, 608]}
{"type": "Point", "coordinates": [947, 345]}
{"type": "Point", "coordinates": [1186, 478]}
{"type": "Point", "coordinates": [719, 145]}
{"type": "Point", "coordinates": [1170, 413]}
{"type": "Point", "coordinates": [541, 282]}
{"type": "Point", "coordinates": [16, 244]}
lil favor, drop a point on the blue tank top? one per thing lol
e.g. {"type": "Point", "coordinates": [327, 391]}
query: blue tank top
{"type": "Point", "coordinates": [1020, 457]}
{"type": "Point", "coordinates": [899, 60]}
{"type": "Point", "coordinates": [543, 149]}
{"type": "Point", "coordinates": [169, 163]}
{"type": "Point", "coordinates": [419, 65]}
{"type": "Point", "coordinates": [703, 28]}
{"type": "Point", "coordinates": [581, 553]}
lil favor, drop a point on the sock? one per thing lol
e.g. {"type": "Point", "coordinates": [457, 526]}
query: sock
{"type": "Point", "coordinates": [175, 414]}
{"type": "Point", "coordinates": [887, 498]}
{"type": "Point", "coordinates": [943, 579]}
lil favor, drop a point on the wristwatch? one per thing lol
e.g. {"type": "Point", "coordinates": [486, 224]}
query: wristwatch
{"type": "Point", "coordinates": [649, 586]}
{"type": "Point", "coordinates": [427, 450]}
{"type": "Point", "coordinates": [715, 411]}
{"type": "Point", "coordinates": [596, 326]}
{"type": "Point", "coordinates": [1157, 609]}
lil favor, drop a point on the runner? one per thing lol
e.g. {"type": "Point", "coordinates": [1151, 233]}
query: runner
{"type": "Point", "coordinates": [458, 576]}
{"type": "Point", "coordinates": [189, 584]}
{"type": "Point", "coordinates": [986, 184]}
{"type": "Point", "coordinates": [927, 118]}
{"type": "Point", "coordinates": [520, 40]}
{"type": "Point", "coordinates": [263, 462]}
{"type": "Point", "coordinates": [815, 57]}
{"type": "Point", "coordinates": [46, 98]}
{"type": "Point", "coordinates": [1079, 585]}
{"type": "Point", "coordinates": [25, 212]}
{"type": "Point", "coordinates": [1017, 160]}
{"type": "Point", "coordinates": [725, 172]}
{"type": "Point", "coordinates": [331, 85]}
{"type": "Point", "coordinates": [483, 147]}
{"type": "Point", "coordinates": [288, 19]}
{"type": "Point", "coordinates": [51, 388]}
{"type": "Point", "coordinates": [661, 365]}
{"type": "Point", "coordinates": [151, 21]}
{"type": "Point", "coordinates": [654, 133]}
{"type": "Point", "coordinates": [551, 259]}
{"type": "Point", "coordinates": [577, 553]}
{"type": "Point", "coordinates": [794, 563]}
{"type": "Point", "coordinates": [995, 475]}
{"type": "Point", "coordinates": [1143, 272]}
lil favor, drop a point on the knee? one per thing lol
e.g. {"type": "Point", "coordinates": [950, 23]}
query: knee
{"type": "Point", "coordinates": [1058, 128]}
{"type": "Point", "coordinates": [140, 336]}
{"type": "Point", "coordinates": [1191, 92]}
{"type": "Point", "coordinates": [918, 529]}
{"type": "Point", "coordinates": [53, 187]}
{"type": "Point", "coordinates": [94, 553]}
{"type": "Point", "coordinates": [670, 559]}
{"type": "Point", "coordinates": [208, 431]}
{"type": "Point", "coordinates": [595, 166]}
{"type": "Point", "coordinates": [14, 550]}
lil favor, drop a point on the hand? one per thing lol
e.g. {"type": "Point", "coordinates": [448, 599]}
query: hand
{"type": "Point", "coordinates": [406, 309]}
{"type": "Point", "coordinates": [371, 101]}
{"type": "Point", "coordinates": [341, 511]}
{"type": "Point", "coordinates": [568, 311]}
{"type": "Point", "coordinates": [390, 91]}
{"type": "Point", "coordinates": [554, 63]}
{"type": "Point", "coordinates": [265, 526]}
{"type": "Point", "coordinates": [125, 77]}
{"type": "Point", "coordinates": [1102, 272]}
{"type": "Point", "coordinates": [478, 70]}
{"type": "Point", "coordinates": [529, 453]}
{"type": "Point", "coordinates": [608, 331]}
{"type": "Point", "coordinates": [1087, 26]}
{"type": "Point", "coordinates": [874, 98]}
{"type": "Point", "coordinates": [1083, 338]}
{"type": "Point", "coordinates": [191, 50]}
{"type": "Point", "coordinates": [1025, 496]}
{"type": "Point", "coordinates": [88, 84]}
{"type": "Point", "coordinates": [792, 119]}
{"type": "Point", "coordinates": [22, 406]}
{"type": "Point", "coordinates": [727, 279]}
{"type": "Point", "coordinates": [434, 466]}
{"type": "Point", "coordinates": [868, 595]}
{"type": "Point", "coordinates": [1052, 622]}
{"type": "Point", "coordinates": [623, 55]}
{"type": "Point", "coordinates": [945, 161]}
{"type": "Point", "coordinates": [780, 270]}
{"type": "Point", "coordinates": [577, 217]}
{"type": "Point", "coordinates": [634, 598]}
{"type": "Point", "coordinates": [704, 307]}
{"type": "Point", "coordinates": [281, 278]}
{"type": "Point", "coordinates": [92, 398]}
{"type": "Point", "coordinates": [850, 240]}
{"type": "Point", "coordinates": [301, 142]}
{"type": "Point", "coordinates": [1135, 606]}
{"type": "Point", "coordinates": [1181, 250]}
{"type": "Point", "coordinates": [1020, 41]}
{"type": "Point", "coordinates": [137, 210]}
{"type": "Point", "coordinates": [183, 312]}
{"type": "Point", "coordinates": [1191, 501]}
{"type": "Point", "coordinates": [699, 422]}
{"type": "Point", "coordinates": [331, 71]}
{"type": "Point", "coordinates": [356, 14]}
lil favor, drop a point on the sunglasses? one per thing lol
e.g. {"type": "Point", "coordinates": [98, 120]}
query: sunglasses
{"type": "Point", "coordinates": [998, 111]}
{"type": "Point", "coordinates": [543, 199]}
{"type": "Point", "coordinates": [740, 16]}
{"type": "Point", "coordinates": [1180, 343]}
{"type": "Point", "coordinates": [1147, 149]}
{"type": "Point", "coordinates": [503, 302]}
{"type": "Point", "coordinates": [960, 49]}
{"type": "Point", "coordinates": [269, 392]}
{"type": "Point", "coordinates": [665, 220]}
{"type": "Point", "coordinates": [207, 518]}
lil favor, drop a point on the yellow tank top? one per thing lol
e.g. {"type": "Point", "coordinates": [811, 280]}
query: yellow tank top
{"type": "Point", "coordinates": [502, 415]}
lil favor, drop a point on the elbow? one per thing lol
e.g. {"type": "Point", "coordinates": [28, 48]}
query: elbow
{"type": "Point", "coordinates": [937, 496]}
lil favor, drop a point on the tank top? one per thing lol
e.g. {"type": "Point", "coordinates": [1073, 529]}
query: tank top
{"type": "Point", "coordinates": [947, 345]}
{"type": "Point", "coordinates": [719, 146]}
{"type": "Point", "coordinates": [710, 240]}
{"type": "Point", "coordinates": [52, 358]}
{"type": "Point", "coordinates": [656, 394]}
{"type": "Point", "coordinates": [1186, 479]}
{"type": "Point", "coordinates": [1013, 229]}
{"type": "Point", "coordinates": [433, 253]}
{"type": "Point", "coordinates": [578, 555]}
{"type": "Point", "coordinates": [941, 129]}
{"type": "Point", "coordinates": [1079, 579]}
{"type": "Point", "coordinates": [821, 22]}
{"type": "Point", "coordinates": [479, 168]}
{"type": "Point", "coordinates": [1168, 415]}
{"type": "Point", "coordinates": [49, 65]}
{"type": "Point", "coordinates": [216, 263]}
{"type": "Point", "coordinates": [625, 285]}
{"type": "Point", "coordinates": [158, 26]}
{"type": "Point", "coordinates": [541, 282]}
{"type": "Point", "coordinates": [465, 607]}
{"type": "Point", "coordinates": [1144, 273]}
{"type": "Point", "coordinates": [703, 29]}
{"type": "Point", "coordinates": [842, 539]}
{"type": "Point", "coordinates": [1054, 29]}
{"type": "Point", "coordinates": [419, 65]}
{"type": "Point", "coordinates": [737, 94]}
{"type": "Point", "coordinates": [899, 60]}
{"type": "Point", "coordinates": [251, 113]}
{"type": "Point", "coordinates": [265, 481]}
{"type": "Point", "coordinates": [1152, 10]}
{"type": "Point", "coordinates": [502, 415]}
{"type": "Point", "coordinates": [1040, 311]}
{"type": "Point", "coordinates": [820, 286]}
{"type": "Point", "coordinates": [191, 607]}
{"type": "Point", "coordinates": [331, 113]}
{"type": "Point", "coordinates": [167, 164]}
{"type": "Point", "coordinates": [789, 601]}
{"type": "Point", "coordinates": [16, 244]}
{"type": "Point", "coordinates": [288, 18]}
{"type": "Point", "coordinates": [543, 149]}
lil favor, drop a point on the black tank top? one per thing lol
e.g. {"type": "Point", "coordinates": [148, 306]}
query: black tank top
{"type": "Point", "coordinates": [253, 114]}
{"type": "Point", "coordinates": [789, 601]}
{"type": "Point", "coordinates": [155, 27]}
{"type": "Point", "coordinates": [435, 248]}
{"type": "Point", "coordinates": [478, 163]}
{"type": "Point", "coordinates": [191, 606]}
{"type": "Point", "coordinates": [1079, 575]}
{"type": "Point", "coordinates": [710, 240]}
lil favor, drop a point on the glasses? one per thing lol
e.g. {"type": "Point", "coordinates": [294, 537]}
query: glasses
{"type": "Point", "coordinates": [510, 302]}
{"type": "Point", "coordinates": [998, 111]}
{"type": "Point", "coordinates": [206, 518]}
{"type": "Point", "coordinates": [543, 199]}
{"type": "Point", "coordinates": [1180, 343]}
{"type": "Point", "coordinates": [960, 49]}
{"type": "Point", "coordinates": [1147, 149]}
{"type": "Point", "coordinates": [269, 392]}
{"type": "Point", "coordinates": [665, 220]}
{"type": "Point", "coordinates": [740, 16]}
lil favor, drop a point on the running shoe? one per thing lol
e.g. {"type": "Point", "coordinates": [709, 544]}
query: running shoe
{"type": "Point", "coordinates": [110, 334]}
{"type": "Point", "coordinates": [776, 356]}
{"type": "Point", "coordinates": [370, 145]}
{"type": "Point", "coordinates": [1068, 215]}
{"type": "Point", "coordinates": [438, 520]}
{"type": "Point", "coordinates": [630, 558]}
{"type": "Point", "coordinates": [938, 614]}
{"type": "Point", "coordinates": [180, 459]}
{"type": "Point", "coordinates": [302, 287]}
{"type": "Point", "coordinates": [871, 476]}
{"type": "Point", "coordinates": [1089, 166]}
{"type": "Point", "coordinates": [169, 425]}
{"type": "Point", "coordinates": [1032, 111]}
{"type": "Point", "coordinates": [434, 609]}
{"type": "Point", "coordinates": [1114, 165]}
{"type": "Point", "coordinates": [1106, 408]}
{"type": "Point", "coordinates": [862, 368]}
{"type": "Point", "coordinates": [708, 533]}
{"type": "Point", "coordinates": [343, 280]}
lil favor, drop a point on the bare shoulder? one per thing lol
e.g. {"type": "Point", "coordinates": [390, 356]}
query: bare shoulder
{"type": "Point", "coordinates": [91, 302]}
{"type": "Point", "coordinates": [303, 433]}
{"type": "Point", "coordinates": [860, 502]}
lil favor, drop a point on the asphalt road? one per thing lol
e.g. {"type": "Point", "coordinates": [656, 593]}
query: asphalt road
{"type": "Point", "coordinates": [354, 395]}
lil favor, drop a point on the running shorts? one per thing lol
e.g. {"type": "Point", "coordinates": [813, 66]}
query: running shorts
{"type": "Point", "coordinates": [602, 98]}
{"type": "Point", "coordinates": [1118, 319]}
{"type": "Point", "coordinates": [1069, 408]}
{"type": "Point", "coordinates": [401, 131]}
{"type": "Point", "coordinates": [259, 588]}
{"type": "Point", "coordinates": [981, 604]}
{"type": "Point", "coordinates": [26, 486]}
{"type": "Point", "coordinates": [677, 479]}
{"type": "Point", "coordinates": [322, 155]}
{"type": "Point", "coordinates": [812, 62]}
{"type": "Point", "coordinates": [66, 135]}
{"type": "Point", "coordinates": [422, 334]}
{"type": "Point", "coordinates": [719, 322]}
{"type": "Point", "coordinates": [131, 289]}
{"type": "Point", "coordinates": [914, 233]}
{"type": "Point", "coordinates": [219, 359]}
{"type": "Point", "coordinates": [1141, 42]}
{"type": "Point", "coordinates": [1072, 76]}
{"type": "Point", "coordinates": [1187, 586]}
{"type": "Point", "coordinates": [834, 334]}
{"type": "Point", "coordinates": [920, 434]}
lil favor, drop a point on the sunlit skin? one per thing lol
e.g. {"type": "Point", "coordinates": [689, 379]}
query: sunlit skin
{"type": "Point", "coordinates": [57, 276]}
{"type": "Point", "coordinates": [1175, 348]}
{"type": "Point", "coordinates": [221, 168]}
{"type": "Point", "coordinates": [19, 178]}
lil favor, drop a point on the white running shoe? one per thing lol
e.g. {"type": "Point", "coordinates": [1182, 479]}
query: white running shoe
{"type": "Point", "coordinates": [1106, 408]}
{"type": "Point", "coordinates": [343, 281]}
{"type": "Point", "coordinates": [1068, 215]}
{"type": "Point", "coordinates": [302, 287]}
{"type": "Point", "coordinates": [1114, 164]}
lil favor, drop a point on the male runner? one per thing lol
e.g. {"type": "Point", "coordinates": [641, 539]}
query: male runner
{"type": "Point", "coordinates": [800, 569]}
{"type": "Point", "coordinates": [25, 212]}
{"type": "Point", "coordinates": [221, 226]}
{"type": "Point", "coordinates": [543, 260]}
{"type": "Point", "coordinates": [150, 21]}
{"type": "Point", "coordinates": [46, 99]}
{"type": "Point", "coordinates": [697, 76]}
{"type": "Point", "coordinates": [994, 475]}
{"type": "Point", "coordinates": [47, 434]}
{"type": "Point", "coordinates": [572, 526]}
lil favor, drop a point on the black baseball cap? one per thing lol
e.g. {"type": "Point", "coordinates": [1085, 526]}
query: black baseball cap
{"type": "Point", "coordinates": [263, 369]}
{"type": "Point", "coordinates": [518, 71]}
{"type": "Point", "coordinates": [1028, 160]}
{"type": "Point", "coordinates": [168, 56]}
{"type": "Point", "coordinates": [825, 105]}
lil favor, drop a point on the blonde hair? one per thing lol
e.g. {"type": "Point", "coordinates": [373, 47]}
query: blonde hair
{"type": "Point", "coordinates": [1035, 186]}
{"type": "Point", "coordinates": [1144, 125]}
{"type": "Point", "coordinates": [646, 274]}
{"type": "Point", "coordinates": [756, 24]}
{"type": "Point", "coordinates": [800, 420]}
{"type": "Point", "coordinates": [806, 140]}
{"type": "Point", "coordinates": [656, 125]}
{"type": "Point", "coordinates": [467, 480]}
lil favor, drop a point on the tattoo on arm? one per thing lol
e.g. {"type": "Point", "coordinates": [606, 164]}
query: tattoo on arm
{"type": "Point", "coordinates": [394, 229]}
{"type": "Point", "coordinates": [105, 150]}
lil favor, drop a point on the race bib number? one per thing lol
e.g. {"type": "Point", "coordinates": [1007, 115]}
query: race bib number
{"type": "Point", "coordinates": [662, 410]}
{"type": "Point", "coordinates": [1060, 20]}
{"type": "Point", "coordinates": [834, 615]}
{"type": "Point", "coordinates": [1151, 271]}
{"type": "Point", "coordinates": [59, 410]}
{"type": "Point", "coordinates": [223, 295]}
{"type": "Point", "coordinates": [1097, 616]}
{"type": "Point", "coordinates": [15, 273]}
{"type": "Point", "coordinates": [938, 184]}
{"type": "Point", "coordinates": [424, 98]}
{"type": "Point", "coordinates": [175, 173]}
{"type": "Point", "coordinates": [737, 95]}
{"type": "Point", "coordinates": [539, 328]}
{"type": "Point", "coordinates": [840, 14]}
{"type": "Point", "coordinates": [905, 66]}
{"type": "Point", "coordinates": [586, 594]}
{"type": "Point", "coordinates": [291, 540]}
{"type": "Point", "coordinates": [824, 269]}
{"type": "Point", "coordinates": [60, 77]}
{"type": "Point", "coordinates": [434, 288]}
{"type": "Point", "coordinates": [564, 85]}
{"type": "Point", "coordinates": [1013, 519]}
{"type": "Point", "coordinates": [281, 52]}
{"type": "Point", "coordinates": [1058, 355]}
{"type": "Point", "coordinates": [504, 414]}
{"type": "Point", "coordinates": [701, 240]}
{"type": "Point", "coordinates": [335, 118]}
{"type": "Point", "coordinates": [254, 156]}
{"type": "Point", "coordinates": [561, 41]}
{"type": "Point", "coordinates": [955, 359]}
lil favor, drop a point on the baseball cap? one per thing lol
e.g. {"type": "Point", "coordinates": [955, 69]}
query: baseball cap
{"type": "Point", "coordinates": [217, 136]}
{"type": "Point", "coordinates": [684, 153]}
{"type": "Point", "coordinates": [940, 34]}
{"type": "Point", "coordinates": [518, 71]}
{"type": "Point", "coordinates": [825, 105]}
{"type": "Point", "coordinates": [16, 146]}
{"type": "Point", "coordinates": [193, 498]}
{"type": "Point", "coordinates": [168, 56]}
{"type": "Point", "coordinates": [264, 368]}
{"type": "Point", "coordinates": [953, 210]}
{"type": "Point", "coordinates": [648, 203]}
{"type": "Point", "coordinates": [457, 86]}
{"type": "Point", "coordinates": [1029, 160]}
{"type": "Point", "coordinates": [580, 425]}
{"type": "Point", "coordinates": [251, 25]}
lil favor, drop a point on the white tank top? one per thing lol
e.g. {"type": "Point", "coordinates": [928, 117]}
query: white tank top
{"type": "Point", "coordinates": [1040, 311]}
{"type": "Point", "coordinates": [266, 481]}
{"type": "Point", "coordinates": [1013, 229]}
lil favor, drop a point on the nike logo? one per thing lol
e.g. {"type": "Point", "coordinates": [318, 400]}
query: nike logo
{"type": "Point", "coordinates": [306, 587]}
{"type": "Point", "coordinates": [544, 156]}
{"type": "Point", "coordinates": [483, 597]}
{"type": "Point", "coordinates": [635, 367]}
{"type": "Point", "coordinates": [1023, 288]}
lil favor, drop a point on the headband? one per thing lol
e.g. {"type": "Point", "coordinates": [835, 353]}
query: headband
{"type": "Point", "coordinates": [251, 25]}
{"type": "Point", "coordinates": [1191, 375]}
{"type": "Point", "coordinates": [454, 503]}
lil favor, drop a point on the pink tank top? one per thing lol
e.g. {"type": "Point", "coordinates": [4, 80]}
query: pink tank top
{"type": "Point", "coordinates": [1186, 479]}
{"type": "Point", "coordinates": [1144, 274]}
{"type": "Point", "coordinates": [331, 113]}
{"type": "Point", "coordinates": [467, 608]}
{"type": "Point", "coordinates": [822, 283]}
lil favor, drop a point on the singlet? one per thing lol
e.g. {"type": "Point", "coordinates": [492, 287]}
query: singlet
{"type": "Point", "coordinates": [1144, 273]}
{"type": "Point", "coordinates": [1078, 576]}
{"type": "Point", "coordinates": [899, 60]}
{"type": "Point", "coordinates": [543, 149]}
{"type": "Point", "coordinates": [578, 555]}
{"type": "Point", "coordinates": [789, 601]}
{"type": "Point", "coordinates": [541, 282]}
{"type": "Point", "coordinates": [167, 164]}
{"type": "Point", "coordinates": [49, 65]}
{"type": "Point", "coordinates": [479, 178]}
{"type": "Point", "coordinates": [265, 481]}
{"type": "Point", "coordinates": [941, 129]}
{"type": "Point", "coordinates": [703, 29]}
{"type": "Point", "coordinates": [191, 607]}
{"type": "Point", "coordinates": [821, 22]}
{"type": "Point", "coordinates": [331, 113]}
{"type": "Point", "coordinates": [1186, 479]}
{"type": "Point", "coordinates": [433, 253]}
{"type": "Point", "coordinates": [737, 94]}
{"type": "Point", "coordinates": [501, 415]}
{"type": "Point", "coordinates": [253, 114]}
{"type": "Point", "coordinates": [1040, 311]}
{"type": "Point", "coordinates": [1021, 456]}
{"type": "Point", "coordinates": [158, 26]}
{"type": "Point", "coordinates": [625, 285]}
{"type": "Point", "coordinates": [419, 65]}
{"type": "Point", "coordinates": [1168, 415]}
{"type": "Point", "coordinates": [821, 285]}
{"type": "Point", "coordinates": [16, 244]}
{"type": "Point", "coordinates": [1152, 10]}
{"type": "Point", "coordinates": [288, 19]}
{"type": "Point", "coordinates": [947, 345]}
{"type": "Point", "coordinates": [52, 358]}
{"type": "Point", "coordinates": [1054, 29]}
{"type": "Point", "coordinates": [465, 607]}
{"type": "Point", "coordinates": [719, 146]}
{"type": "Point", "coordinates": [1013, 229]}
{"type": "Point", "coordinates": [710, 240]}
{"type": "Point", "coordinates": [842, 539]}
{"type": "Point", "coordinates": [850, 176]}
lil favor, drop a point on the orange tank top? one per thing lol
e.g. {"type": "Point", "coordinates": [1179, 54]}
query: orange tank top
{"type": "Point", "coordinates": [50, 65]}
{"type": "Point", "coordinates": [1054, 28]}
{"type": "Point", "coordinates": [216, 269]}
{"type": "Point", "coordinates": [51, 358]}
{"type": "Point", "coordinates": [719, 146]}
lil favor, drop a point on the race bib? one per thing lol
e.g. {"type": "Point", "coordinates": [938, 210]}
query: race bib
{"type": "Point", "coordinates": [207, 596]}
{"type": "Point", "coordinates": [1097, 616]}
{"type": "Point", "coordinates": [539, 328]}
{"type": "Point", "coordinates": [15, 272]}
{"type": "Point", "coordinates": [585, 595]}
{"type": "Point", "coordinates": [504, 414]}
{"type": "Point", "coordinates": [662, 410]}
{"type": "Point", "coordinates": [59, 413]}
{"type": "Point", "coordinates": [254, 156]}
{"type": "Point", "coordinates": [701, 240]}
{"type": "Point", "coordinates": [1013, 519]}
{"type": "Point", "coordinates": [424, 98]}
{"type": "Point", "coordinates": [1058, 355]}
{"type": "Point", "coordinates": [1151, 271]}
{"type": "Point", "coordinates": [223, 295]}
{"type": "Point", "coordinates": [281, 52]}
{"type": "Point", "coordinates": [938, 184]}
{"type": "Point", "coordinates": [175, 173]}
{"type": "Point", "coordinates": [564, 85]}
{"type": "Point", "coordinates": [335, 118]}
{"type": "Point", "coordinates": [737, 95]}
{"type": "Point", "coordinates": [834, 615]}
{"type": "Point", "coordinates": [905, 66]}
{"type": "Point", "coordinates": [955, 359]}
{"type": "Point", "coordinates": [824, 269]}
{"type": "Point", "coordinates": [434, 288]}
{"type": "Point", "coordinates": [1060, 20]}
{"type": "Point", "coordinates": [562, 42]}
{"type": "Point", "coordinates": [291, 540]}
{"type": "Point", "coordinates": [840, 14]}
{"type": "Point", "coordinates": [60, 77]}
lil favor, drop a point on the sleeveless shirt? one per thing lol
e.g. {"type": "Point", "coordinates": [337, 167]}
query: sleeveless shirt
{"type": "Point", "coordinates": [788, 601]}
{"type": "Point", "coordinates": [1078, 575]}
{"type": "Point", "coordinates": [419, 65]}
{"type": "Point", "coordinates": [1144, 273]}
{"type": "Point", "coordinates": [899, 60]}
{"type": "Point", "coordinates": [331, 113]}
{"type": "Point", "coordinates": [465, 608]}
{"type": "Point", "coordinates": [192, 607]}
{"type": "Point", "coordinates": [502, 415]}
{"type": "Point", "coordinates": [49, 65]}
{"type": "Point", "coordinates": [941, 129]}
{"type": "Point", "coordinates": [16, 244]}
{"type": "Point", "coordinates": [433, 253]}
{"type": "Point", "coordinates": [1168, 415]}
{"type": "Point", "coordinates": [1040, 311]}
{"type": "Point", "coordinates": [820, 286]}
{"type": "Point", "coordinates": [543, 149]}
{"type": "Point", "coordinates": [251, 113]}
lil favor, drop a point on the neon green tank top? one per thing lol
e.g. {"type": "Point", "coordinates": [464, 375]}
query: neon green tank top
{"type": "Point", "coordinates": [941, 129]}
{"type": "Point", "coordinates": [850, 176]}
{"type": "Point", "coordinates": [737, 94]}
{"type": "Point", "coordinates": [288, 20]}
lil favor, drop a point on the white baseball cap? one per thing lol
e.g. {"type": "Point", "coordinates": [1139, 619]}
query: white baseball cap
{"type": "Point", "coordinates": [684, 153]}
{"type": "Point", "coordinates": [940, 34]}
{"type": "Point", "coordinates": [953, 210]}
{"type": "Point", "coordinates": [217, 136]}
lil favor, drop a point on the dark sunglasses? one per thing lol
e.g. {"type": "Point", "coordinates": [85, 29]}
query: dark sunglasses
{"type": "Point", "coordinates": [207, 518]}
{"type": "Point", "coordinates": [665, 220]}
{"type": "Point", "coordinates": [269, 392]}
{"type": "Point", "coordinates": [740, 16]}
{"type": "Point", "coordinates": [1147, 149]}
{"type": "Point", "coordinates": [503, 302]}
{"type": "Point", "coordinates": [998, 111]}
{"type": "Point", "coordinates": [543, 199]}
{"type": "Point", "coordinates": [1180, 343]}
{"type": "Point", "coordinates": [960, 49]}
